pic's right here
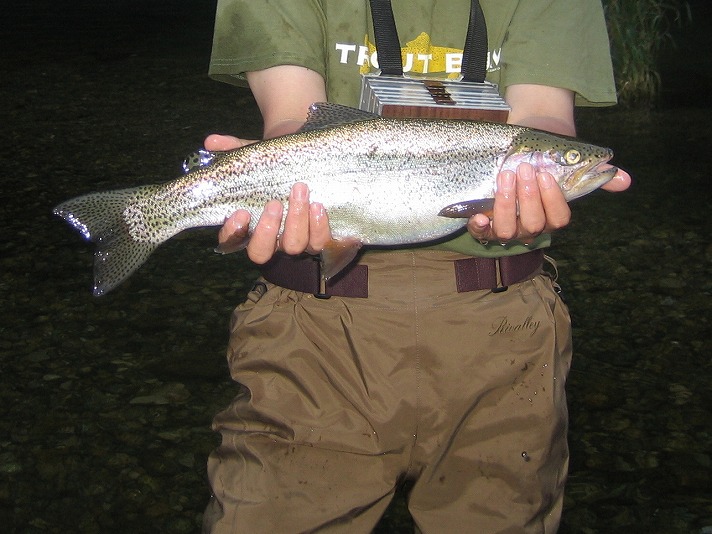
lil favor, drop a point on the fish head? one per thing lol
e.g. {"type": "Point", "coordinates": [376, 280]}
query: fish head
{"type": "Point", "coordinates": [577, 167]}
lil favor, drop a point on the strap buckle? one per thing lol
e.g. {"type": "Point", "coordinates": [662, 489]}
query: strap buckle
{"type": "Point", "coordinates": [321, 294]}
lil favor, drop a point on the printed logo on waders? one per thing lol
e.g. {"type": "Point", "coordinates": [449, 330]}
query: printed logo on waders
{"type": "Point", "coordinates": [502, 325]}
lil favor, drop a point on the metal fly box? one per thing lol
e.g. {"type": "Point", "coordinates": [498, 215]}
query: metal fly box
{"type": "Point", "coordinates": [397, 96]}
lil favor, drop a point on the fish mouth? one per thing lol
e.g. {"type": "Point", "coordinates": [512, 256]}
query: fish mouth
{"type": "Point", "coordinates": [589, 177]}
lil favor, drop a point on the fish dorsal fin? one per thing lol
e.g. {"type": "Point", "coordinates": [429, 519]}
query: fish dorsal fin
{"type": "Point", "coordinates": [324, 115]}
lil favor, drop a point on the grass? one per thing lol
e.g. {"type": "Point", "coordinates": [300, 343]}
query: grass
{"type": "Point", "coordinates": [637, 30]}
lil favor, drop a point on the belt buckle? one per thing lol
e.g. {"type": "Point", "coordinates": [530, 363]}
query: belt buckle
{"type": "Point", "coordinates": [321, 294]}
{"type": "Point", "coordinates": [498, 270]}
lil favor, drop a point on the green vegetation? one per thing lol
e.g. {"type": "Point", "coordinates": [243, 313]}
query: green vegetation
{"type": "Point", "coordinates": [637, 30]}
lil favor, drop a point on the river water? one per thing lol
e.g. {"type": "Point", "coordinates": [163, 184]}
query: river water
{"type": "Point", "coordinates": [107, 402]}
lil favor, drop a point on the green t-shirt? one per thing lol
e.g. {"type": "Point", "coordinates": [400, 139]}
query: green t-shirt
{"type": "Point", "coordinates": [559, 43]}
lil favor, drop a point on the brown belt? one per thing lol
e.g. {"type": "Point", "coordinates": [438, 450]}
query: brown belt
{"type": "Point", "coordinates": [301, 273]}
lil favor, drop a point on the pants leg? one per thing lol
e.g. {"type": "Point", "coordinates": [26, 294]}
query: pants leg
{"type": "Point", "coordinates": [315, 441]}
{"type": "Point", "coordinates": [492, 453]}
{"type": "Point", "coordinates": [344, 397]}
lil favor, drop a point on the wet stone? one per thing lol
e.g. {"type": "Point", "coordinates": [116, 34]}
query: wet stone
{"type": "Point", "coordinates": [165, 394]}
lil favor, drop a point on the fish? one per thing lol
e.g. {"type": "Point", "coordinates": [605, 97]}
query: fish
{"type": "Point", "coordinates": [384, 182]}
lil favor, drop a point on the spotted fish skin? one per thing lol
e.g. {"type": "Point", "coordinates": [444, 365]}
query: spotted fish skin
{"type": "Point", "coordinates": [382, 181]}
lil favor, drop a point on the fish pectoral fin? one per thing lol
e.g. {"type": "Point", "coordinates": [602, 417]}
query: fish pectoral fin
{"type": "Point", "coordinates": [234, 243]}
{"type": "Point", "coordinates": [468, 208]}
{"type": "Point", "coordinates": [337, 254]}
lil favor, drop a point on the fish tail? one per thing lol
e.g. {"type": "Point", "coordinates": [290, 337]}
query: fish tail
{"type": "Point", "coordinates": [99, 217]}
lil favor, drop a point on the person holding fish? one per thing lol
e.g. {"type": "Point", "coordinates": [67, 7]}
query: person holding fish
{"type": "Point", "coordinates": [443, 365]}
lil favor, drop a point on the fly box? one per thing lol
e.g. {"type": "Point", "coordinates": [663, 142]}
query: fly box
{"type": "Point", "coordinates": [397, 96]}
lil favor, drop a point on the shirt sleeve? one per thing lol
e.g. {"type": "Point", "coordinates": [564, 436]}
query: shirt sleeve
{"type": "Point", "coordinates": [253, 35]}
{"type": "Point", "coordinates": [560, 43]}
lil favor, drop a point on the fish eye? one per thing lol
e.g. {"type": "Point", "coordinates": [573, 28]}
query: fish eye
{"type": "Point", "coordinates": [572, 156]}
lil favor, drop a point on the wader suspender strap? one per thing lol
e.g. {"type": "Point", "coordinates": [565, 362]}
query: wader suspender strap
{"type": "Point", "coordinates": [386, 34]}
{"type": "Point", "coordinates": [474, 58]}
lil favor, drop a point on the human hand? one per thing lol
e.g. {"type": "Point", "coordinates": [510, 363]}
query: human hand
{"type": "Point", "coordinates": [306, 227]}
{"type": "Point", "coordinates": [218, 142]}
{"type": "Point", "coordinates": [528, 203]}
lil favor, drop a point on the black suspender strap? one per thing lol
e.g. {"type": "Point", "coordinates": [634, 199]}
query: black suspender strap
{"type": "Point", "coordinates": [474, 58]}
{"type": "Point", "coordinates": [387, 42]}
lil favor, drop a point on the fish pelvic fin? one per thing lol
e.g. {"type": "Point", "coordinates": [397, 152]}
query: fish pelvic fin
{"type": "Point", "coordinates": [337, 254]}
{"type": "Point", "coordinates": [468, 208]}
{"type": "Point", "coordinates": [99, 217]}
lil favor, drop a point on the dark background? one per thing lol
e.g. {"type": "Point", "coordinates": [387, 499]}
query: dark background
{"type": "Point", "coordinates": [107, 402]}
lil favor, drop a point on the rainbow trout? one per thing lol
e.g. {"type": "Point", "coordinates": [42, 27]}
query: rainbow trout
{"type": "Point", "coordinates": [383, 182]}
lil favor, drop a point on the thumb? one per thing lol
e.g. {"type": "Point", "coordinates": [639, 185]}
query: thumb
{"type": "Point", "coordinates": [224, 142]}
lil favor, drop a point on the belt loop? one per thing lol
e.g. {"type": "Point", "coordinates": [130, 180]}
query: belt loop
{"type": "Point", "coordinates": [257, 292]}
{"type": "Point", "coordinates": [551, 261]}
{"type": "Point", "coordinates": [554, 277]}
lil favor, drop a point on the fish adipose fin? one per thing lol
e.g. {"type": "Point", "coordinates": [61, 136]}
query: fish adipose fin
{"type": "Point", "coordinates": [468, 208]}
{"type": "Point", "coordinates": [99, 218]}
{"type": "Point", "coordinates": [337, 254]}
{"type": "Point", "coordinates": [201, 158]}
